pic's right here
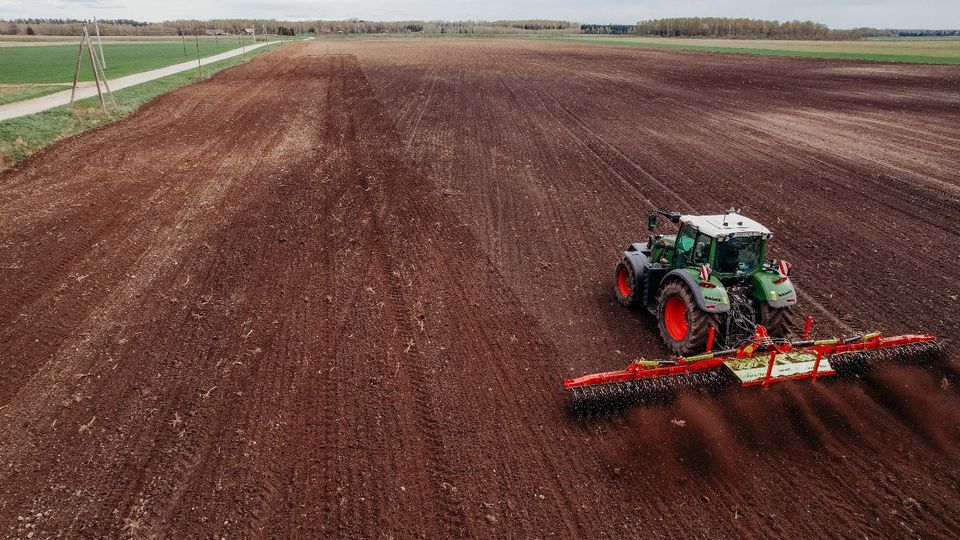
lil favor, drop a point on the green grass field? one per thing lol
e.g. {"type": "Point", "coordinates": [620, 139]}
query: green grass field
{"type": "Point", "coordinates": [20, 137]}
{"type": "Point", "coordinates": [916, 51]}
{"type": "Point", "coordinates": [55, 63]}
{"type": "Point", "coordinates": [913, 38]}
{"type": "Point", "coordinates": [7, 39]}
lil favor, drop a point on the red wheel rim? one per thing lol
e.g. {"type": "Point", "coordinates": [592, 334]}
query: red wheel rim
{"type": "Point", "coordinates": [675, 318]}
{"type": "Point", "coordinates": [623, 282]}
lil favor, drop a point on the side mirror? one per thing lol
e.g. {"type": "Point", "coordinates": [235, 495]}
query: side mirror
{"type": "Point", "coordinates": [652, 221]}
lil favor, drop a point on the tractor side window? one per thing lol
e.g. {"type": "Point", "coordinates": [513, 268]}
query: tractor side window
{"type": "Point", "coordinates": [701, 249]}
{"type": "Point", "coordinates": [685, 241]}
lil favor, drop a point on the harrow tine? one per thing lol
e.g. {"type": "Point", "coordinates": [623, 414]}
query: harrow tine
{"type": "Point", "coordinates": [859, 363]}
{"type": "Point", "coordinates": [616, 397]}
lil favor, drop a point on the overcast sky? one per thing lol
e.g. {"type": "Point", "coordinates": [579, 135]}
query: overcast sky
{"type": "Point", "coordinates": [935, 14]}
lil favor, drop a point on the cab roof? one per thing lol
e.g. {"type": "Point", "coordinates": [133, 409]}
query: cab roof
{"type": "Point", "coordinates": [724, 224]}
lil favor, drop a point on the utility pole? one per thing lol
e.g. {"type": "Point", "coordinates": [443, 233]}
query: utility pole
{"type": "Point", "coordinates": [93, 65]}
{"type": "Point", "coordinates": [103, 59]}
{"type": "Point", "coordinates": [197, 39]}
{"type": "Point", "coordinates": [98, 63]}
{"type": "Point", "coordinates": [76, 70]}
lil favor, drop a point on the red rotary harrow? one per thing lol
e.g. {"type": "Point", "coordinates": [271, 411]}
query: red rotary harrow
{"type": "Point", "coordinates": [759, 361]}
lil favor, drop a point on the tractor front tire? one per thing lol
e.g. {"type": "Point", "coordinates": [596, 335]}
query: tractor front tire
{"type": "Point", "coordinates": [684, 327]}
{"type": "Point", "coordinates": [625, 286]}
{"type": "Point", "coordinates": [780, 322]}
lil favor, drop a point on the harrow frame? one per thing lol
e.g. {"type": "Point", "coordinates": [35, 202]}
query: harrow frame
{"type": "Point", "coordinates": [642, 369]}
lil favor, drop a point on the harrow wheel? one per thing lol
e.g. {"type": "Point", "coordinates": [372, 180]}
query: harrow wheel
{"type": "Point", "coordinates": [780, 322]}
{"type": "Point", "coordinates": [625, 285]}
{"type": "Point", "coordinates": [683, 325]}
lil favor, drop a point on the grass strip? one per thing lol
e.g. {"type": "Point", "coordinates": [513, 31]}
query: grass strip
{"type": "Point", "coordinates": [15, 93]}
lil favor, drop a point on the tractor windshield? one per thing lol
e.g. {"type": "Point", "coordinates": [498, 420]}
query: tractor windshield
{"type": "Point", "coordinates": [739, 254]}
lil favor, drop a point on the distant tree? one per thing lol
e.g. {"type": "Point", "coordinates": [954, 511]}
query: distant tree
{"type": "Point", "coordinates": [722, 27]}
{"type": "Point", "coordinates": [606, 29]}
{"type": "Point", "coordinates": [30, 31]}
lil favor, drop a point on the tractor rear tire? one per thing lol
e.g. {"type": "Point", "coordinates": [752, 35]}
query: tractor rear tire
{"type": "Point", "coordinates": [780, 322]}
{"type": "Point", "coordinates": [684, 327]}
{"type": "Point", "coordinates": [625, 286]}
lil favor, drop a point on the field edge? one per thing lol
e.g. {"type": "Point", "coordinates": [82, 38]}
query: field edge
{"type": "Point", "coordinates": [24, 136]}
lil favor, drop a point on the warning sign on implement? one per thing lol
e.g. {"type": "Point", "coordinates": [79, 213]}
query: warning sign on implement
{"type": "Point", "coordinates": [786, 365]}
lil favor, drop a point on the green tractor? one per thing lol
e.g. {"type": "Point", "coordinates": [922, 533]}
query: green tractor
{"type": "Point", "coordinates": [728, 316]}
{"type": "Point", "coordinates": [710, 281]}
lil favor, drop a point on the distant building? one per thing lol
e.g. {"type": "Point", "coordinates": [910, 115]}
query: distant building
{"type": "Point", "coordinates": [215, 32]}
{"type": "Point", "coordinates": [249, 31]}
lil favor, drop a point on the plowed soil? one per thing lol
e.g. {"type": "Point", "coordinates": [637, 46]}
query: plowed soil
{"type": "Point", "coordinates": [334, 291]}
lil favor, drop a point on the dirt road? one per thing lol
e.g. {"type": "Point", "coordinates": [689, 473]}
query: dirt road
{"type": "Point", "coordinates": [334, 291]}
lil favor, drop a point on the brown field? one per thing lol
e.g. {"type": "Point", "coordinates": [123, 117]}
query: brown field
{"type": "Point", "coordinates": [334, 291]}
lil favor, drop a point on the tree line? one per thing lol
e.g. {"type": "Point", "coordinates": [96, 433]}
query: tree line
{"type": "Point", "coordinates": [614, 29]}
{"type": "Point", "coordinates": [125, 27]}
{"type": "Point", "coordinates": [725, 27]}
{"type": "Point", "coordinates": [925, 33]}
{"type": "Point", "coordinates": [712, 27]}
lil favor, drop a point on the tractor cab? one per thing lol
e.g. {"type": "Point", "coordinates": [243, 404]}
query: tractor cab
{"type": "Point", "coordinates": [712, 273]}
{"type": "Point", "coordinates": [730, 245]}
